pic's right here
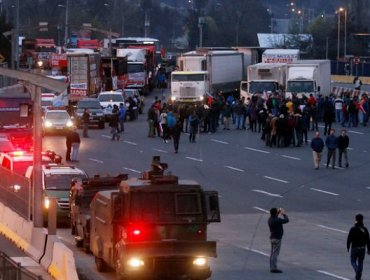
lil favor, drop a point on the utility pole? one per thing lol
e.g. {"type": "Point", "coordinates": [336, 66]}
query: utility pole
{"type": "Point", "coordinates": [15, 39]}
{"type": "Point", "coordinates": [146, 24]}
{"type": "Point", "coordinates": [66, 23]}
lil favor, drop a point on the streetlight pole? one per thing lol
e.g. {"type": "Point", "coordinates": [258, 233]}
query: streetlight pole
{"type": "Point", "coordinates": [66, 19]}
{"type": "Point", "coordinates": [338, 42]}
{"type": "Point", "coordinates": [345, 33]}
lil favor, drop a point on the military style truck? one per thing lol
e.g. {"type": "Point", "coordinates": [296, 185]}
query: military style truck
{"type": "Point", "coordinates": [154, 226]}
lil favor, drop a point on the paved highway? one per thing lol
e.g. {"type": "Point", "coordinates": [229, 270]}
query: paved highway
{"type": "Point", "coordinates": [250, 179]}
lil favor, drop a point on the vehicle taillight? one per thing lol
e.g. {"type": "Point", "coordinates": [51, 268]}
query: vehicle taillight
{"type": "Point", "coordinates": [135, 233]}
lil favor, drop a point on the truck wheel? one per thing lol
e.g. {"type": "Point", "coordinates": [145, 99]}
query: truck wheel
{"type": "Point", "coordinates": [79, 242]}
{"type": "Point", "coordinates": [100, 264]}
{"type": "Point", "coordinates": [102, 125]}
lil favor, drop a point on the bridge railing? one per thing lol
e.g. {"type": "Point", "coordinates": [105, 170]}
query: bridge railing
{"type": "Point", "coordinates": [11, 270]}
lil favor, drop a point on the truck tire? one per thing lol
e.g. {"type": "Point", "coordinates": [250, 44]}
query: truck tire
{"type": "Point", "coordinates": [102, 125]}
{"type": "Point", "coordinates": [101, 266]}
{"type": "Point", "coordinates": [79, 242]}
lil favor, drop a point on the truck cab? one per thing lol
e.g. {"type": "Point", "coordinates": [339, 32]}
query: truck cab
{"type": "Point", "coordinates": [189, 86]}
{"type": "Point", "coordinates": [154, 226]}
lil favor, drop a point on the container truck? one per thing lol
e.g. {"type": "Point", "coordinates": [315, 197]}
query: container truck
{"type": "Point", "coordinates": [264, 77]}
{"type": "Point", "coordinates": [205, 72]}
{"type": "Point", "coordinates": [280, 56]}
{"type": "Point", "coordinates": [305, 77]}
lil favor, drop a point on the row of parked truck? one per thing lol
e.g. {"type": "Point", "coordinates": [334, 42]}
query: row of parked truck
{"type": "Point", "coordinates": [230, 71]}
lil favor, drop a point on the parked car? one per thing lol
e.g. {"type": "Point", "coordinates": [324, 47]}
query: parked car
{"type": "Point", "coordinates": [109, 98]}
{"type": "Point", "coordinates": [96, 112]}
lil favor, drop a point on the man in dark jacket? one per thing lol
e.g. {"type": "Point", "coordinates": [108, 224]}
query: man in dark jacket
{"type": "Point", "coordinates": [331, 143]}
{"type": "Point", "coordinates": [358, 240]}
{"type": "Point", "coordinates": [317, 145]}
{"type": "Point", "coordinates": [343, 143]}
{"type": "Point", "coordinates": [73, 144]}
{"type": "Point", "coordinates": [114, 121]}
{"type": "Point", "coordinates": [278, 217]}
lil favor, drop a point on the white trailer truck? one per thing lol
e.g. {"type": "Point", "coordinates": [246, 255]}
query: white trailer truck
{"type": "Point", "coordinates": [308, 76]}
{"type": "Point", "coordinates": [264, 77]}
{"type": "Point", "coordinates": [280, 56]}
{"type": "Point", "coordinates": [205, 72]}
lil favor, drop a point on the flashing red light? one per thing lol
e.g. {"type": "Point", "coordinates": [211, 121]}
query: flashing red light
{"type": "Point", "coordinates": [136, 232]}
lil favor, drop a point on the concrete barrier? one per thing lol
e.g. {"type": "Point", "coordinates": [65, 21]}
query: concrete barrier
{"type": "Point", "coordinates": [47, 258]}
{"type": "Point", "coordinates": [36, 247]}
{"type": "Point", "coordinates": [63, 264]}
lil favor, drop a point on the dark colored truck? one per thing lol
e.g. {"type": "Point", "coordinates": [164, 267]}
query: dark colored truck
{"type": "Point", "coordinates": [154, 227]}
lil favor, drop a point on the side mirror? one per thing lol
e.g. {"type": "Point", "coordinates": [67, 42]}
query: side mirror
{"type": "Point", "coordinates": [212, 206]}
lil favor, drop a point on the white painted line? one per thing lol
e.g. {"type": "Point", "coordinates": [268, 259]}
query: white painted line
{"type": "Point", "coordinates": [106, 136]}
{"type": "Point", "coordinates": [159, 150]}
{"type": "Point", "coordinates": [332, 275]}
{"type": "Point", "coordinates": [219, 141]}
{"type": "Point", "coordinates": [196, 159]}
{"type": "Point", "coordinates": [256, 150]}
{"type": "Point", "coordinates": [131, 143]}
{"type": "Point", "coordinates": [322, 191]}
{"type": "Point", "coordinates": [267, 193]}
{"type": "Point", "coordinates": [368, 188]}
{"type": "Point", "coordinates": [276, 179]}
{"type": "Point", "coordinates": [260, 252]}
{"type": "Point", "coordinates": [355, 132]}
{"type": "Point", "coordinates": [295, 158]}
{"type": "Point", "coordinates": [351, 149]}
{"type": "Point", "coordinates": [334, 229]}
{"type": "Point", "coordinates": [234, 168]}
{"type": "Point", "coordinates": [96, 160]}
{"type": "Point", "coordinates": [130, 169]}
{"type": "Point", "coordinates": [261, 209]}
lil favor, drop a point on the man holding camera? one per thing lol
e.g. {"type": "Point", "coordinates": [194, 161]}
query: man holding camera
{"type": "Point", "coordinates": [278, 217]}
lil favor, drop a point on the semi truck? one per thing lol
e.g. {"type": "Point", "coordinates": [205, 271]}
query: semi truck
{"type": "Point", "coordinates": [264, 77]}
{"type": "Point", "coordinates": [204, 72]}
{"type": "Point", "coordinates": [153, 226]}
{"type": "Point", "coordinates": [305, 77]}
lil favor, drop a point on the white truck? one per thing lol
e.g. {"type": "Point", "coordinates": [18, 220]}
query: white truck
{"type": "Point", "coordinates": [204, 72]}
{"type": "Point", "coordinates": [264, 77]}
{"type": "Point", "coordinates": [308, 76]}
{"type": "Point", "coordinates": [280, 56]}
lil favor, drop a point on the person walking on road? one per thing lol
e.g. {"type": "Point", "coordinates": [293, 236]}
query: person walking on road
{"type": "Point", "coordinates": [317, 145]}
{"type": "Point", "coordinates": [122, 117]}
{"type": "Point", "coordinates": [331, 143]}
{"type": "Point", "coordinates": [85, 121]}
{"type": "Point", "coordinates": [358, 241]}
{"type": "Point", "coordinates": [343, 143]}
{"type": "Point", "coordinates": [278, 217]}
{"type": "Point", "coordinates": [176, 133]}
{"type": "Point", "coordinates": [75, 144]}
{"type": "Point", "coordinates": [357, 83]}
{"type": "Point", "coordinates": [114, 121]}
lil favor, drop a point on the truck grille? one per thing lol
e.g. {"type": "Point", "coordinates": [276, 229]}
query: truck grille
{"type": "Point", "coordinates": [63, 203]}
{"type": "Point", "coordinates": [186, 92]}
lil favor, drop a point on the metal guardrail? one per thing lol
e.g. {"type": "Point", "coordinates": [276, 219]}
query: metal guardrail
{"type": "Point", "coordinates": [15, 192]}
{"type": "Point", "coordinates": [11, 270]}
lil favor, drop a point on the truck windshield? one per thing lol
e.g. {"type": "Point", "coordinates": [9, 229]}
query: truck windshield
{"type": "Point", "coordinates": [165, 207]}
{"type": "Point", "coordinates": [89, 104]}
{"type": "Point", "coordinates": [61, 181]}
{"type": "Point", "coordinates": [188, 78]}
{"type": "Point", "coordinates": [45, 49]}
{"type": "Point", "coordinates": [110, 98]}
{"type": "Point", "coordinates": [134, 68]}
{"type": "Point", "coordinates": [300, 86]}
{"type": "Point", "coordinates": [260, 87]}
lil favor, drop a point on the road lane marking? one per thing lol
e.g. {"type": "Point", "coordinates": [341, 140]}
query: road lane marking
{"type": "Point", "coordinates": [332, 275]}
{"type": "Point", "coordinates": [106, 136]}
{"type": "Point", "coordinates": [322, 191]}
{"type": "Point", "coordinates": [267, 193]}
{"type": "Point", "coordinates": [219, 141]}
{"type": "Point", "coordinates": [256, 150]}
{"type": "Point", "coordinates": [261, 209]}
{"type": "Point", "coordinates": [131, 143]}
{"type": "Point", "coordinates": [276, 179]}
{"type": "Point", "coordinates": [334, 229]}
{"type": "Point", "coordinates": [351, 149]}
{"type": "Point", "coordinates": [259, 252]}
{"type": "Point", "coordinates": [234, 168]}
{"type": "Point", "coordinates": [159, 150]}
{"type": "Point", "coordinates": [290, 157]}
{"type": "Point", "coordinates": [195, 159]}
{"type": "Point", "coordinates": [355, 132]}
{"type": "Point", "coordinates": [130, 169]}
{"type": "Point", "coordinates": [96, 160]}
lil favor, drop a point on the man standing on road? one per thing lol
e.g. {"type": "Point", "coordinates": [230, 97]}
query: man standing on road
{"type": "Point", "coordinates": [331, 143]}
{"type": "Point", "coordinates": [343, 143]}
{"type": "Point", "coordinates": [75, 144]}
{"type": "Point", "coordinates": [317, 145]}
{"type": "Point", "coordinates": [358, 239]}
{"type": "Point", "coordinates": [278, 217]}
{"type": "Point", "coordinates": [85, 121]}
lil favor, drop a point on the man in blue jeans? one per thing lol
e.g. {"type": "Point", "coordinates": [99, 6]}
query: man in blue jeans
{"type": "Point", "coordinates": [358, 240]}
{"type": "Point", "coordinates": [278, 217]}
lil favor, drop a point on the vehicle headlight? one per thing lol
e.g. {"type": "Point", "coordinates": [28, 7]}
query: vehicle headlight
{"type": "Point", "coordinates": [135, 262]}
{"type": "Point", "coordinates": [46, 203]}
{"type": "Point", "coordinates": [200, 261]}
{"type": "Point", "coordinates": [173, 98]}
{"type": "Point", "coordinates": [40, 63]}
{"type": "Point", "coordinates": [48, 124]}
{"type": "Point", "coordinates": [69, 124]}
{"type": "Point", "coordinates": [201, 98]}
